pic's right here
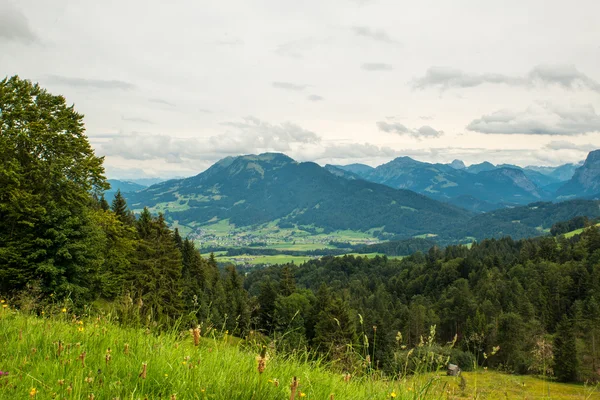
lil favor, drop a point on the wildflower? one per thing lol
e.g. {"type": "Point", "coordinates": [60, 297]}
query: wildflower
{"type": "Point", "coordinates": [80, 329]}
{"type": "Point", "coordinates": [1, 301]}
{"type": "Point", "coordinates": [302, 394]}
{"type": "Point", "coordinates": [107, 357]}
{"type": "Point", "coordinates": [33, 392]}
{"type": "Point", "coordinates": [89, 380]}
{"type": "Point", "coordinates": [347, 377]}
{"type": "Point", "coordinates": [3, 373]}
{"type": "Point", "coordinates": [64, 310]}
{"type": "Point", "coordinates": [166, 375]}
{"type": "Point", "coordinates": [393, 395]}
{"type": "Point", "coordinates": [196, 334]}
{"type": "Point", "coordinates": [61, 382]}
{"type": "Point", "coordinates": [173, 397]}
{"type": "Point", "coordinates": [262, 360]}
{"type": "Point", "coordinates": [4, 306]}
{"type": "Point", "coordinates": [144, 370]}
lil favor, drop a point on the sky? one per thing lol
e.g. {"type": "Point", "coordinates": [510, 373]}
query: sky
{"type": "Point", "coordinates": [168, 88]}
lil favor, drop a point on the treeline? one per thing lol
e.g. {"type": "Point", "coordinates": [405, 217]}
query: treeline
{"type": "Point", "coordinates": [579, 222]}
{"type": "Point", "coordinates": [60, 240]}
{"type": "Point", "coordinates": [537, 299]}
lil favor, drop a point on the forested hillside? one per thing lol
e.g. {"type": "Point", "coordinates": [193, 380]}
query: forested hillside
{"type": "Point", "coordinates": [523, 296]}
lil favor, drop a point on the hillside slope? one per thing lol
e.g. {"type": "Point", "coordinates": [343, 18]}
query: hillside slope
{"type": "Point", "coordinates": [250, 190]}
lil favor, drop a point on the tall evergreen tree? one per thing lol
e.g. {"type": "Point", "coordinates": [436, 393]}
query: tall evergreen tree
{"type": "Point", "coordinates": [119, 207]}
{"type": "Point", "coordinates": [156, 277]}
{"type": "Point", "coordinates": [565, 352]}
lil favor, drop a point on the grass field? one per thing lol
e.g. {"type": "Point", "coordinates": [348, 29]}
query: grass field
{"type": "Point", "coordinates": [66, 357]}
{"type": "Point", "coordinates": [576, 232]}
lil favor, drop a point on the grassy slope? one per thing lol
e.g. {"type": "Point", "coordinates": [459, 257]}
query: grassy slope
{"type": "Point", "coordinates": [576, 232]}
{"type": "Point", "coordinates": [216, 369]}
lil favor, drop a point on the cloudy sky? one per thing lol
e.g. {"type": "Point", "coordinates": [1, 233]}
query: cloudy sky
{"type": "Point", "coordinates": [167, 88]}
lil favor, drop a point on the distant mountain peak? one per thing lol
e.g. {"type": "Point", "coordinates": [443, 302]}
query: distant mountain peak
{"type": "Point", "coordinates": [458, 164]}
{"type": "Point", "coordinates": [586, 179]}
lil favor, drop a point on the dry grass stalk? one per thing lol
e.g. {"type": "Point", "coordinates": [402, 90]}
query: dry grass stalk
{"type": "Point", "coordinates": [294, 388]}
{"type": "Point", "coordinates": [196, 334]}
{"type": "Point", "coordinates": [82, 358]}
{"type": "Point", "coordinates": [144, 371]}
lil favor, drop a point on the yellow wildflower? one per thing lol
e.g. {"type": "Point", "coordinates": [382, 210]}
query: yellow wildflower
{"type": "Point", "coordinates": [32, 392]}
{"type": "Point", "coordinates": [393, 395]}
{"type": "Point", "coordinates": [64, 310]}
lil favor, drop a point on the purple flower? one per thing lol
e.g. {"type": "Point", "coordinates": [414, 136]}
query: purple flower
{"type": "Point", "coordinates": [2, 373]}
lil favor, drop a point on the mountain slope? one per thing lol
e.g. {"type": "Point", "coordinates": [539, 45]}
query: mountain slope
{"type": "Point", "coordinates": [123, 186]}
{"type": "Point", "coordinates": [250, 190]}
{"type": "Point", "coordinates": [526, 221]}
{"type": "Point", "coordinates": [484, 183]}
{"type": "Point", "coordinates": [586, 180]}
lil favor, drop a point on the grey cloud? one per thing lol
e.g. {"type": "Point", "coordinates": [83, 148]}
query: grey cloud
{"type": "Point", "coordinates": [395, 127]}
{"type": "Point", "coordinates": [253, 133]}
{"type": "Point", "coordinates": [138, 146]}
{"type": "Point", "coordinates": [425, 131]}
{"type": "Point", "coordinates": [315, 97]}
{"type": "Point", "coordinates": [376, 67]}
{"type": "Point", "coordinates": [566, 76]}
{"type": "Point", "coordinates": [296, 48]}
{"type": "Point", "coordinates": [288, 86]}
{"type": "Point", "coordinates": [249, 135]}
{"type": "Point", "coordinates": [540, 119]}
{"type": "Point", "coordinates": [228, 41]}
{"type": "Point", "coordinates": [135, 119]}
{"type": "Point", "coordinates": [564, 145]}
{"type": "Point", "coordinates": [376, 34]}
{"type": "Point", "coordinates": [90, 83]}
{"type": "Point", "coordinates": [14, 25]}
{"type": "Point", "coordinates": [161, 101]}
{"type": "Point", "coordinates": [356, 151]}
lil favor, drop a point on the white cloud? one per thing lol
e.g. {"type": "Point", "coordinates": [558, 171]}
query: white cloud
{"type": "Point", "coordinates": [289, 86]}
{"type": "Point", "coordinates": [379, 35]}
{"type": "Point", "coordinates": [425, 131]}
{"type": "Point", "coordinates": [377, 67]}
{"type": "Point", "coordinates": [566, 76]}
{"type": "Point", "coordinates": [540, 119]}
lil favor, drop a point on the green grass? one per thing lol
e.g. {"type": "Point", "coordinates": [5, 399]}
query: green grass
{"type": "Point", "coordinates": [255, 260]}
{"type": "Point", "coordinates": [220, 367]}
{"type": "Point", "coordinates": [576, 232]}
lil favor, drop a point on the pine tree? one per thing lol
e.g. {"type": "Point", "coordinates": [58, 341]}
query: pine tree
{"type": "Point", "coordinates": [156, 276]}
{"type": "Point", "coordinates": [287, 282]}
{"type": "Point", "coordinates": [119, 207]}
{"type": "Point", "coordinates": [266, 300]}
{"type": "Point", "coordinates": [104, 204]}
{"type": "Point", "coordinates": [565, 352]}
{"type": "Point", "coordinates": [238, 313]}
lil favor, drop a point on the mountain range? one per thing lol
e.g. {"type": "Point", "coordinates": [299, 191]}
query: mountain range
{"type": "Point", "coordinates": [485, 186]}
{"type": "Point", "coordinates": [273, 188]}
